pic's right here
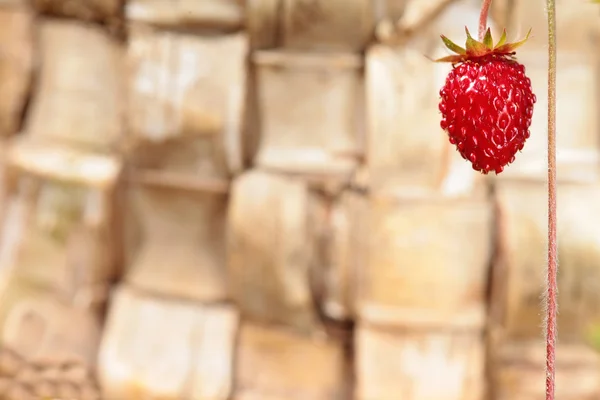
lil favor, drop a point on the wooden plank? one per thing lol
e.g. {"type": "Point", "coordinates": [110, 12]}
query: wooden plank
{"type": "Point", "coordinates": [389, 9]}
{"type": "Point", "coordinates": [310, 25]}
{"type": "Point", "coordinates": [47, 159]}
{"type": "Point", "coordinates": [195, 349]}
{"type": "Point", "coordinates": [57, 239]}
{"type": "Point", "coordinates": [186, 96]}
{"type": "Point", "coordinates": [276, 364]}
{"type": "Point", "coordinates": [519, 274]}
{"type": "Point", "coordinates": [428, 263]}
{"type": "Point", "coordinates": [16, 65]}
{"type": "Point", "coordinates": [40, 329]}
{"type": "Point", "coordinates": [416, 15]}
{"type": "Point", "coordinates": [310, 108]}
{"type": "Point", "coordinates": [180, 246]}
{"type": "Point", "coordinates": [88, 10]}
{"type": "Point", "coordinates": [577, 20]}
{"type": "Point", "coordinates": [442, 365]}
{"type": "Point", "coordinates": [345, 252]}
{"type": "Point", "coordinates": [326, 25]}
{"type": "Point", "coordinates": [79, 95]}
{"type": "Point", "coordinates": [211, 14]}
{"type": "Point", "coordinates": [159, 178]}
{"type": "Point", "coordinates": [271, 249]}
{"type": "Point", "coordinates": [263, 23]}
{"type": "Point", "coordinates": [518, 371]}
{"type": "Point", "coordinates": [14, 3]}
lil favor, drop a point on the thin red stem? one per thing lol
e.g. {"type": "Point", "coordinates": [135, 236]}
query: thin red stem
{"type": "Point", "coordinates": [485, 8]}
{"type": "Point", "coordinates": [551, 325]}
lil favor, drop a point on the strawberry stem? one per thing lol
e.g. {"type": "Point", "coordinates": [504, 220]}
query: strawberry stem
{"type": "Point", "coordinates": [485, 8]}
{"type": "Point", "coordinates": [551, 301]}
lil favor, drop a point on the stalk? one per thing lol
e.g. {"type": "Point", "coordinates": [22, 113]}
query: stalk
{"type": "Point", "coordinates": [485, 9]}
{"type": "Point", "coordinates": [551, 301]}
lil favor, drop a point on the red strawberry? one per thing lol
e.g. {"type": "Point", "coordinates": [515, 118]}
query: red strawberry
{"type": "Point", "coordinates": [487, 102]}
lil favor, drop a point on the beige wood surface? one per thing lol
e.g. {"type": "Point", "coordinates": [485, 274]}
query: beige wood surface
{"type": "Point", "coordinates": [519, 274]}
{"type": "Point", "coordinates": [270, 250]}
{"type": "Point", "coordinates": [263, 23]}
{"type": "Point", "coordinates": [78, 97]}
{"type": "Point", "coordinates": [419, 364]}
{"type": "Point", "coordinates": [179, 247]}
{"type": "Point", "coordinates": [254, 200]}
{"type": "Point", "coordinates": [56, 239]}
{"type": "Point", "coordinates": [16, 65]}
{"type": "Point", "coordinates": [194, 343]}
{"type": "Point", "coordinates": [310, 107]}
{"type": "Point", "coordinates": [88, 10]}
{"type": "Point", "coordinates": [345, 253]}
{"type": "Point", "coordinates": [276, 364]}
{"type": "Point", "coordinates": [326, 25]}
{"type": "Point", "coordinates": [214, 14]}
{"type": "Point", "coordinates": [44, 355]}
{"type": "Point", "coordinates": [428, 263]}
{"type": "Point", "coordinates": [186, 98]}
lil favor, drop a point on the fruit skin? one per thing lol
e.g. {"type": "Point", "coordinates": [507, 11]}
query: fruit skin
{"type": "Point", "coordinates": [487, 101]}
{"type": "Point", "coordinates": [487, 105]}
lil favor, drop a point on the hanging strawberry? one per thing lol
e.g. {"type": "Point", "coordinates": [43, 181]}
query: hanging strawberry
{"type": "Point", "coordinates": [486, 102]}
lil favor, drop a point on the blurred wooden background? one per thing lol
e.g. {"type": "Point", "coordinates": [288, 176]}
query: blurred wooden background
{"type": "Point", "coordinates": [253, 200]}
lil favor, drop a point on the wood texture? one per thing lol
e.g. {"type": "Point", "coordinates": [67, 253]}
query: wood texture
{"type": "Point", "coordinates": [518, 368]}
{"type": "Point", "coordinates": [89, 10]}
{"type": "Point", "coordinates": [215, 14]}
{"type": "Point", "coordinates": [56, 240]}
{"type": "Point", "coordinates": [43, 356]}
{"type": "Point", "coordinates": [266, 187]}
{"type": "Point", "coordinates": [519, 273]}
{"type": "Point", "coordinates": [428, 263]}
{"type": "Point", "coordinates": [78, 98]}
{"type": "Point", "coordinates": [13, 3]}
{"type": "Point", "coordinates": [344, 253]}
{"type": "Point", "coordinates": [16, 66]}
{"type": "Point", "coordinates": [23, 380]}
{"type": "Point", "coordinates": [195, 349]}
{"type": "Point", "coordinates": [310, 113]}
{"type": "Point", "coordinates": [338, 25]}
{"type": "Point", "coordinates": [274, 364]}
{"type": "Point", "coordinates": [41, 330]}
{"type": "Point", "coordinates": [419, 365]}
{"type": "Point", "coordinates": [180, 248]}
{"type": "Point", "coordinates": [311, 25]}
{"type": "Point", "coordinates": [263, 23]}
{"type": "Point", "coordinates": [48, 159]}
{"type": "Point", "coordinates": [389, 9]}
{"type": "Point", "coordinates": [186, 102]}
{"type": "Point", "coordinates": [576, 20]}
{"type": "Point", "coordinates": [405, 19]}
{"type": "Point", "coordinates": [271, 250]}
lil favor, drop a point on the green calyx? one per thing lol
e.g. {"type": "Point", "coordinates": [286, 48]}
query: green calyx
{"type": "Point", "coordinates": [475, 49]}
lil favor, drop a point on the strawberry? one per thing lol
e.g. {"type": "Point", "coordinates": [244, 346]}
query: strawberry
{"type": "Point", "coordinates": [486, 102]}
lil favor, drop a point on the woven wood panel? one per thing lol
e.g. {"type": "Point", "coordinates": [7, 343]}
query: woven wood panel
{"type": "Point", "coordinates": [253, 200]}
